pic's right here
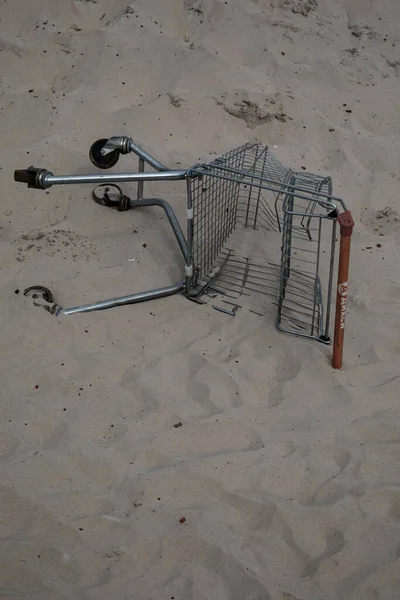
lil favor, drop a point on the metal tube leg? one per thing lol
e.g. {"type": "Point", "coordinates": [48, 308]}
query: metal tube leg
{"type": "Point", "coordinates": [153, 162]}
{"type": "Point", "coordinates": [151, 294]}
{"type": "Point", "coordinates": [346, 223]}
{"type": "Point", "coordinates": [124, 145]}
{"type": "Point", "coordinates": [131, 299]}
{"type": "Point", "coordinates": [173, 221]}
{"type": "Point", "coordinates": [42, 179]}
{"type": "Point", "coordinates": [325, 337]}
{"type": "Point", "coordinates": [140, 185]}
{"type": "Point", "coordinates": [49, 179]}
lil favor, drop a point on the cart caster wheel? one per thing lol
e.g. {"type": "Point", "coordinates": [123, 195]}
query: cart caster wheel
{"type": "Point", "coordinates": [100, 161]}
{"type": "Point", "coordinates": [109, 194]}
{"type": "Point", "coordinates": [39, 291]}
{"type": "Point", "coordinates": [43, 297]}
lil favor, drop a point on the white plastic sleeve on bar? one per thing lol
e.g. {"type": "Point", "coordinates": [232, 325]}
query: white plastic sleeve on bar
{"type": "Point", "coordinates": [189, 213]}
{"type": "Point", "coordinates": [189, 271]}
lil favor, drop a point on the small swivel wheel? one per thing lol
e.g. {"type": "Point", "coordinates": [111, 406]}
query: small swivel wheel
{"type": "Point", "coordinates": [109, 194]}
{"type": "Point", "coordinates": [99, 160]}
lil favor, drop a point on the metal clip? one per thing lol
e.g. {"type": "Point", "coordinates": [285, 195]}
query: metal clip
{"type": "Point", "coordinates": [232, 312]}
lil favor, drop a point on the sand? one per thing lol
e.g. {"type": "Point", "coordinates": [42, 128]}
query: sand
{"type": "Point", "coordinates": [284, 473]}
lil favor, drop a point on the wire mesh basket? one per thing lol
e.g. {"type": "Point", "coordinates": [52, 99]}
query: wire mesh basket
{"type": "Point", "coordinates": [248, 189]}
{"type": "Point", "coordinates": [255, 228]}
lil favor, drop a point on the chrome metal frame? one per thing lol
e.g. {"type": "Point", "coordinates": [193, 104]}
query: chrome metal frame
{"type": "Point", "coordinates": [43, 179]}
{"type": "Point", "coordinates": [221, 195]}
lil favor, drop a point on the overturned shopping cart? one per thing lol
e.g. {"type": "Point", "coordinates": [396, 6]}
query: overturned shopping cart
{"type": "Point", "coordinates": [231, 201]}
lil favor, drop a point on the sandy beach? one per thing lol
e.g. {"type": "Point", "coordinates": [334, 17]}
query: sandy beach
{"type": "Point", "coordinates": [281, 481]}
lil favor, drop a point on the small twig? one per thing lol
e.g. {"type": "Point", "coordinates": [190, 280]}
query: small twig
{"type": "Point", "coordinates": [256, 313]}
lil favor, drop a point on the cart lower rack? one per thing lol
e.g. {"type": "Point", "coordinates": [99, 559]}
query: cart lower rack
{"type": "Point", "coordinates": [254, 226]}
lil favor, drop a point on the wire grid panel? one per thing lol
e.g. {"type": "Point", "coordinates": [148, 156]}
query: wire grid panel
{"type": "Point", "coordinates": [249, 188]}
{"type": "Point", "coordinates": [214, 201]}
{"type": "Point", "coordinates": [308, 240]}
{"type": "Point", "coordinates": [226, 193]}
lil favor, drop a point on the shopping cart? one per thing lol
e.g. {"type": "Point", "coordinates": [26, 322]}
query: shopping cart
{"type": "Point", "coordinates": [244, 193]}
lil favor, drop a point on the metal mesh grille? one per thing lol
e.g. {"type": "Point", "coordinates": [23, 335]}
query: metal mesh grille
{"type": "Point", "coordinates": [300, 303]}
{"type": "Point", "coordinates": [228, 192]}
{"type": "Point", "coordinates": [214, 201]}
{"type": "Point", "coordinates": [248, 187]}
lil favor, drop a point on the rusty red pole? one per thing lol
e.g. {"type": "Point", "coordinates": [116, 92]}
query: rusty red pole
{"type": "Point", "coordinates": [346, 223]}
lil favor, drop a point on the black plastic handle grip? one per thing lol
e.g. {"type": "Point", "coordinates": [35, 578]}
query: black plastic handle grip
{"type": "Point", "coordinates": [33, 177]}
{"type": "Point", "coordinates": [25, 176]}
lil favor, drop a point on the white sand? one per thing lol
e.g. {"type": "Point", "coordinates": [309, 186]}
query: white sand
{"type": "Point", "coordinates": [286, 471]}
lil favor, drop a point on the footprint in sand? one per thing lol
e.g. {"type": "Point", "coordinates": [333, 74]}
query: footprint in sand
{"type": "Point", "coordinates": [382, 504]}
{"type": "Point", "coordinates": [8, 445]}
{"type": "Point", "coordinates": [299, 7]}
{"type": "Point", "coordinates": [254, 109]}
{"type": "Point", "coordinates": [65, 243]}
{"type": "Point", "coordinates": [386, 222]}
{"type": "Point", "coordinates": [195, 12]}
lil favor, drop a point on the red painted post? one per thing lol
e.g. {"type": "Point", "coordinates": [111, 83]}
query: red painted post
{"type": "Point", "coordinates": [346, 223]}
